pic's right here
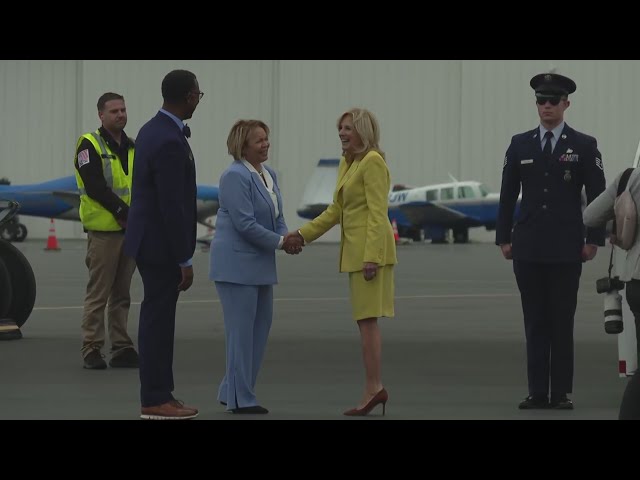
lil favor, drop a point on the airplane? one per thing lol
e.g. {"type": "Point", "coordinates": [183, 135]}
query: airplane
{"type": "Point", "coordinates": [419, 213]}
{"type": "Point", "coordinates": [60, 198]}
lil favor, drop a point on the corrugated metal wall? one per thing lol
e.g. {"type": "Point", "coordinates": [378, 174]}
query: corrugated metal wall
{"type": "Point", "coordinates": [416, 104]}
{"type": "Point", "coordinates": [233, 89]}
{"type": "Point", "coordinates": [38, 125]}
{"type": "Point", "coordinates": [437, 117]}
{"type": "Point", "coordinates": [497, 102]}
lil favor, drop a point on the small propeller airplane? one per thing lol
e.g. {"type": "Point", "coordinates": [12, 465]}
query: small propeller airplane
{"type": "Point", "coordinates": [60, 199]}
{"type": "Point", "coordinates": [429, 211]}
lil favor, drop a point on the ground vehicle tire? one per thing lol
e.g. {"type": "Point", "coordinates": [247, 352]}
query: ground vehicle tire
{"type": "Point", "coordinates": [23, 283]}
{"type": "Point", "coordinates": [6, 291]}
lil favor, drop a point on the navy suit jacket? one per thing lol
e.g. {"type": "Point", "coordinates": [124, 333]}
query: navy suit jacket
{"type": "Point", "coordinates": [549, 226]}
{"type": "Point", "coordinates": [161, 227]}
{"type": "Point", "coordinates": [243, 249]}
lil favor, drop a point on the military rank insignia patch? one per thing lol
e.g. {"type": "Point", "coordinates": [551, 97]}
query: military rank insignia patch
{"type": "Point", "coordinates": [599, 164]}
{"type": "Point", "coordinates": [505, 162]}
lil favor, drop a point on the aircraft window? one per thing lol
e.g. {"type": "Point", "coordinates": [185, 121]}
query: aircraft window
{"type": "Point", "coordinates": [465, 192]}
{"type": "Point", "coordinates": [446, 193]}
{"type": "Point", "coordinates": [432, 195]}
{"type": "Point", "coordinates": [483, 190]}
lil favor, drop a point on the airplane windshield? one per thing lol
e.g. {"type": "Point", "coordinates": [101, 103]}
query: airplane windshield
{"type": "Point", "coordinates": [483, 190]}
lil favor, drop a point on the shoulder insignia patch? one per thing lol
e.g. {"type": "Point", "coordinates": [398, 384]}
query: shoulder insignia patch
{"type": "Point", "coordinates": [83, 157]}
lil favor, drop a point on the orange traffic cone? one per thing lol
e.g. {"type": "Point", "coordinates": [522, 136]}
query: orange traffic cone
{"type": "Point", "coordinates": [396, 236]}
{"type": "Point", "coordinates": [52, 240]}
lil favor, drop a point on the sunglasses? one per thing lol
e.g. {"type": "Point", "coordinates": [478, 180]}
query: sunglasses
{"type": "Point", "coordinates": [552, 100]}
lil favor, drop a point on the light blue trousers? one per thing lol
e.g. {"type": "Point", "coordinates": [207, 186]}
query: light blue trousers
{"type": "Point", "coordinates": [248, 312]}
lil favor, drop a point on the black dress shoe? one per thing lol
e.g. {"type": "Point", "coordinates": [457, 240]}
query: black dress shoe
{"type": "Point", "coordinates": [533, 402]}
{"type": "Point", "coordinates": [561, 402]}
{"type": "Point", "coordinates": [256, 409]}
{"type": "Point", "coordinates": [127, 358]}
{"type": "Point", "coordinates": [94, 361]}
{"type": "Point", "coordinates": [223, 403]}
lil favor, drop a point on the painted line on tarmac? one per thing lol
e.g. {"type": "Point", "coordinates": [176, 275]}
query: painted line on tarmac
{"type": "Point", "coordinates": [324, 299]}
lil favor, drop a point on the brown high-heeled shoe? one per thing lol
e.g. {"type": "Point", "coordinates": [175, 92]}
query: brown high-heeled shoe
{"type": "Point", "coordinates": [381, 397]}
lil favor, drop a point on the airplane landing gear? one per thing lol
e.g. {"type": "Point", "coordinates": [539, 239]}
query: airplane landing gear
{"type": "Point", "coordinates": [13, 231]}
{"type": "Point", "coordinates": [6, 232]}
{"type": "Point", "coordinates": [414, 234]}
{"type": "Point", "coordinates": [21, 233]}
{"type": "Point", "coordinates": [436, 234]}
{"type": "Point", "coordinates": [460, 235]}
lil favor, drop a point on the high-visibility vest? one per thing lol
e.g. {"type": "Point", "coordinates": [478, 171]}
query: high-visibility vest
{"type": "Point", "coordinates": [92, 214]}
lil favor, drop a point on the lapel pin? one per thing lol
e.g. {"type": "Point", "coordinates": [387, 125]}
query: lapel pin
{"type": "Point", "coordinates": [563, 136]}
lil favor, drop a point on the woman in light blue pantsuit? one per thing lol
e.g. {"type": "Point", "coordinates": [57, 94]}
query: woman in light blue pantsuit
{"type": "Point", "coordinates": [250, 227]}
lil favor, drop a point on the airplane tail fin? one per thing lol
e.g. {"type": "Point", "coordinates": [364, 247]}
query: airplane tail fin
{"type": "Point", "coordinates": [636, 159]}
{"type": "Point", "coordinates": [318, 193]}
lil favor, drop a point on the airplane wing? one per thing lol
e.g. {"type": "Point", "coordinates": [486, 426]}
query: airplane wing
{"type": "Point", "coordinates": [422, 213]}
{"type": "Point", "coordinates": [59, 198]}
{"type": "Point", "coordinates": [72, 198]}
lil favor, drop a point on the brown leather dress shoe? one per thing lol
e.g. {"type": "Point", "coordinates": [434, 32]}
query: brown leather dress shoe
{"type": "Point", "coordinates": [172, 410]}
{"type": "Point", "coordinates": [180, 404]}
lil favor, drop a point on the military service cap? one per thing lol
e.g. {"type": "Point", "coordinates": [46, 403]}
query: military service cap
{"type": "Point", "coordinates": [552, 84]}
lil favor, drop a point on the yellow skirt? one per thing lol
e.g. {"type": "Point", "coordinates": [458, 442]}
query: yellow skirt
{"type": "Point", "coordinates": [374, 298]}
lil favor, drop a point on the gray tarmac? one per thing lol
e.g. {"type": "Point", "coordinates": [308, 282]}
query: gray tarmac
{"type": "Point", "coordinates": [455, 349]}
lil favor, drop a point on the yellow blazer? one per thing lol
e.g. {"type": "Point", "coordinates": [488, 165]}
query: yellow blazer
{"type": "Point", "coordinates": [360, 205]}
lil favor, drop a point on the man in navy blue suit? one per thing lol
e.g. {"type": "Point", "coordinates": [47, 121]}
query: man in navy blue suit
{"type": "Point", "coordinates": [547, 241]}
{"type": "Point", "coordinates": [161, 236]}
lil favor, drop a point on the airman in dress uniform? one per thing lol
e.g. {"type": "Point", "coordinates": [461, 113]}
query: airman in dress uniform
{"type": "Point", "coordinates": [546, 241]}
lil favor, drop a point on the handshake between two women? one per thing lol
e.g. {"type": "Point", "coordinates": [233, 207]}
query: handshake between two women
{"type": "Point", "coordinates": [293, 243]}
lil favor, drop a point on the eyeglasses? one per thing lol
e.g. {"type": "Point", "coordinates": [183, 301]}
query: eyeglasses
{"type": "Point", "coordinates": [200, 94]}
{"type": "Point", "coordinates": [552, 100]}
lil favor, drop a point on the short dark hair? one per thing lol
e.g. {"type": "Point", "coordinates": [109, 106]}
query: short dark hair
{"type": "Point", "coordinates": [177, 84]}
{"type": "Point", "coordinates": [106, 97]}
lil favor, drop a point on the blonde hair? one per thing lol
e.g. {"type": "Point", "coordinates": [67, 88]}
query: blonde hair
{"type": "Point", "coordinates": [239, 134]}
{"type": "Point", "coordinates": [367, 127]}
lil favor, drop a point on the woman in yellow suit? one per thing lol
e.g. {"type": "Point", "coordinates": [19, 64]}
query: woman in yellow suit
{"type": "Point", "coordinates": [367, 245]}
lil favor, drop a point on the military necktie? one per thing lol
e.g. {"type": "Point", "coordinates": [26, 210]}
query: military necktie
{"type": "Point", "coordinates": [187, 131]}
{"type": "Point", "coordinates": [547, 150]}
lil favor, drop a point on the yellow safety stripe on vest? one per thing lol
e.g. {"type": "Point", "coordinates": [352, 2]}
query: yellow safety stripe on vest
{"type": "Point", "coordinates": [106, 167]}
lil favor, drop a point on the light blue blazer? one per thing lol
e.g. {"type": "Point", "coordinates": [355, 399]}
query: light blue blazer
{"type": "Point", "coordinates": [247, 230]}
